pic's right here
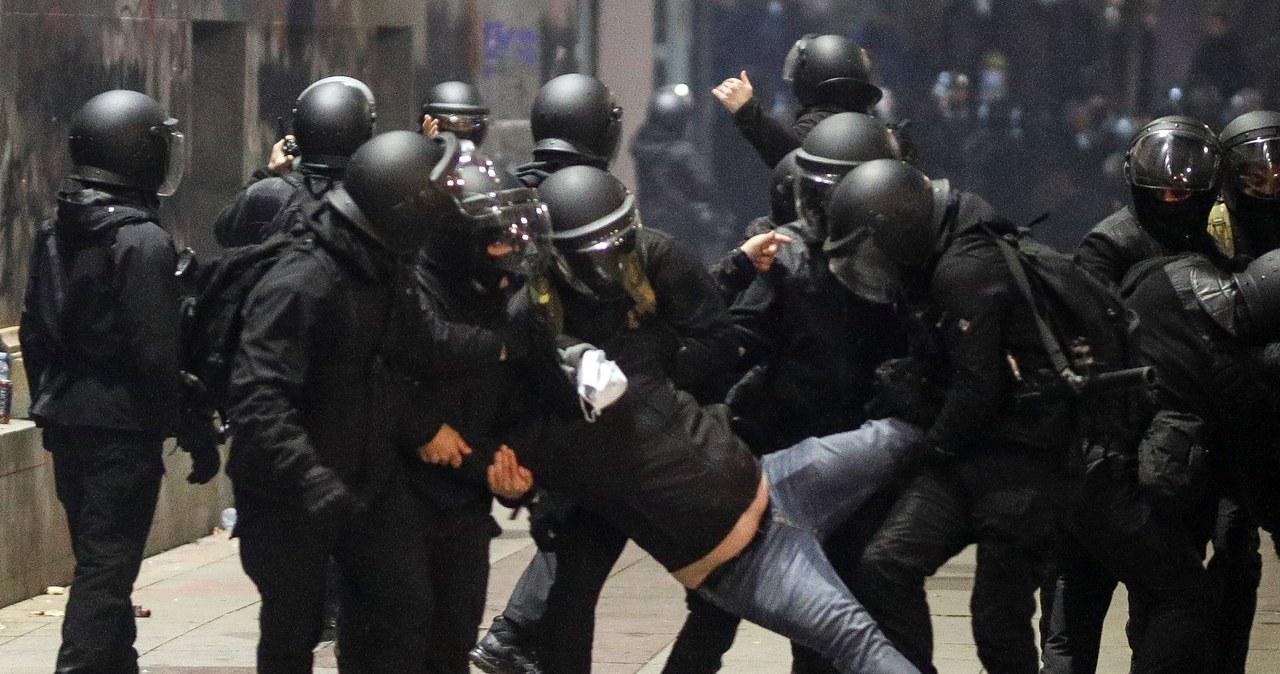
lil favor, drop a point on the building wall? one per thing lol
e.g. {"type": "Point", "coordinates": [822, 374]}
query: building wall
{"type": "Point", "coordinates": [228, 68]}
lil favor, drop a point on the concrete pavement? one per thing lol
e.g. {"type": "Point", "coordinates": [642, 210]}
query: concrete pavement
{"type": "Point", "coordinates": [204, 617]}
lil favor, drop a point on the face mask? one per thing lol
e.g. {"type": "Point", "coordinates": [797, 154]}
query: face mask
{"type": "Point", "coordinates": [598, 380]}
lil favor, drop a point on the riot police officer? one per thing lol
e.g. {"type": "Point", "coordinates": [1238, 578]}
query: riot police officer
{"type": "Point", "coordinates": [829, 74]}
{"type": "Point", "coordinates": [676, 188]}
{"type": "Point", "coordinates": [575, 122]}
{"type": "Point", "coordinates": [331, 118]}
{"type": "Point", "coordinates": [631, 286]}
{"type": "Point", "coordinates": [898, 237]}
{"type": "Point", "coordinates": [1172, 167]}
{"type": "Point", "coordinates": [455, 107]}
{"type": "Point", "coordinates": [101, 338]}
{"type": "Point", "coordinates": [324, 320]}
{"type": "Point", "coordinates": [1251, 181]}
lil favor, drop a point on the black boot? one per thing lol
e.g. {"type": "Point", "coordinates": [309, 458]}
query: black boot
{"type": "Point", "coordinates": [505, 650]}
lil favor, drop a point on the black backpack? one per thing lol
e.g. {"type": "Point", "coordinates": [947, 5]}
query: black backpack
{"type": "Point", "coordinates": [212, 316]}
{"type": "Point", "coordinates": [1089, 336]}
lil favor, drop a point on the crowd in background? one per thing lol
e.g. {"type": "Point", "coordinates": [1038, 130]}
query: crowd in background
{"type": "Point", "coordinates": [1028, 102]}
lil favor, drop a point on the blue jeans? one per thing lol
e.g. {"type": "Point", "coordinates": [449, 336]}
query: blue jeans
{"type": "Point", "coordinates": [783, 581]}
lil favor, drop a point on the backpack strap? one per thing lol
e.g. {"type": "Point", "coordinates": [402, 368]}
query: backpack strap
{"type": "Point", "coordinates": [1008, 245]}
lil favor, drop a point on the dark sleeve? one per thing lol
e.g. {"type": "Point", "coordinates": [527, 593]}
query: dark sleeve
{"type": "Point", "coordinates": [145, 264]}
{"type": "Point", "coordinates": [733, 274]}
{"type": "Point", "coordinates": [432, 347]}
{"type": "Point", "coordinates": [771, 138]}
{"type": "Point", "coordinates": [1103, 257]}
{"type": "Point", "coordinates": [756, 319]}
{"type": "Point", "coordinates": [973, 298]}
{"type": "Point", "coordinates": [689, 302]}
{"type": "Point", "coordinates": [33, 333]}
{"type": "Point", "coordinates": [283, 337]}
{"type": "Point", "coordinates": [247, 219]}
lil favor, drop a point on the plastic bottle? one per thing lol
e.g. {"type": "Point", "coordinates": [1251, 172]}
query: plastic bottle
{"type": "Point", "coordinates": [228, 519]}
{"type": "Point", "coordinates": [6, 389]}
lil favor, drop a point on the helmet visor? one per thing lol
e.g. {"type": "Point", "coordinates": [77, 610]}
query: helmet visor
{"type": "Point", "coordinates": [463, 126]}
{"type": "Point", "coordinates": [812, 193]}
{"type": "Point", "coordinates": [1253, 168]}
{"type": "Point", "coordinates": [176, 163]}
{"type": "Point", "coordinates": [1172, 160]}
{"type": "Point", "coordinates": [591, 258]}
{"type": "Point", "coordinates": [863, 267]}
{"type": "Point", "coordinates": [794, 58]}
{"type": "Point", "coordinates": [514, 227]}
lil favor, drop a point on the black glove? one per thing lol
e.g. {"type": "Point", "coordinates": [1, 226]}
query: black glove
{"type": "Point", "coordinates": [906, 392]}
{"type": "Point", "coordinates": [548, 511]}
{"type": "Point", "coordinates": [327, 500]}
{"type": "Point", "coordinates": [199, 435]}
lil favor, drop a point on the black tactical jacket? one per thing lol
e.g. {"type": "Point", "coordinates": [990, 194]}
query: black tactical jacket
{"type": "Point", "coordinates": [819, 345]}
{"type": "Point", "coordinates": [325, 366]}
{"type": "Point", "coordinates": [109, 359]}
{"type": "Point", "coordinates": [252, 217]}
{"type": "Point", "coordinates": [980, 321]}
{"type": "Point", "coordinates": [1115, 245]}
{"type": "Point", "coordinates": [770, 137]}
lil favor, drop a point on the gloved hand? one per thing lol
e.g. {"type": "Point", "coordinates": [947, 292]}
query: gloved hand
{"type": "Point", "coordinates": [906, 392]}
{"type": "Point", "coordinates": [199, 435]}
{"type": "Point", "coordinates": [328, 502]}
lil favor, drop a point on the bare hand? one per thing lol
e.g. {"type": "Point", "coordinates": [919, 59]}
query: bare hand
{"type": "Point", "coordinates": [507, 478]}
{"type": "Point", "coordinates": [280, 163]}
{"type": "Point", "coordinates": [446, 449]}
{"type": "Point", "coordinates": [735, 92]}
{"type": "Point", "coordinates": [430, 126]}
{"type": "Point", "coordinates": [762, 248]}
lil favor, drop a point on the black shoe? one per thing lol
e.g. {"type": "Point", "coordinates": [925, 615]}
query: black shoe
{"type": "Point", "coordinates": [502, 651]}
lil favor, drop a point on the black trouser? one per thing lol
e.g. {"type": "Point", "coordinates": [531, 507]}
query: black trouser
{"type": "Point", "coordinates": [1173, 625]}
{"type": "Point", "coordinates": [386, 600]}
{"type": "Point", "coordinates": [108, 481]}
{"type": "Point", "coordinates": [457, 551]}
{"type": "Point", "coordinates": [999, 501]}
{"type": "Point", "coordinates": [555, 599]}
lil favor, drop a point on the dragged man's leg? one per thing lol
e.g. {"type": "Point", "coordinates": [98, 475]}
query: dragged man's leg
{"type": "Point", "coordinates": [822, 481]}
{"type": "Point", "coordinates": [783, 582]}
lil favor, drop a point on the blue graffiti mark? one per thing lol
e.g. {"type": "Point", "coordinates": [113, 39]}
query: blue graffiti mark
{"type": "Point", "coordinates": [500, 40]}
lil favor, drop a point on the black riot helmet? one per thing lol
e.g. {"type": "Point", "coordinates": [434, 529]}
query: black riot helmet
{"type": "Point", "coordinates": [831, 70]}
{"type": "Point", "coordinates": [671, 108]}
{"type": "Point", "coordinates": [1251, 178]}
{"type": "Point", "coordinates": [1259, 286]}
{"type": "Point", "coordinates": [1172, 167]}
{"type": "Point", "coordinates": [834, 147]}
{"type": "Point", "coordinates": [399, 186]}
{"type": "Point", "coordinates": [458, 109]}
{"type": "Point", "coordinates": [332, 118]}
{"type": "Point", "coordinates": [887, 220]}
{"type": "Point", "coordinates": [124, 138]}
{"type": "Point", "coordinates": [782, 193]}
{"type": "Point", "coordinates": [594, 223]}
{"type": "Point", "coordinates": [576, 115]}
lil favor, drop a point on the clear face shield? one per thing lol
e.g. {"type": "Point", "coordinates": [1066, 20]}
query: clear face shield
{"type": "Point", "coordinates": [176, 162]}
{"type": "Point", "coordinates": [1173, 162]}
{"type": "Point", "coordinates": [472, 127]}
{"type": "Point", "coordinates": [863, 267]}
{"type": "Point", "coordinates": [812, 193]}
{"type": "Point", "coordinates": [1253, 168]}
{"type": "Point", "coordinates": [513, 227]}
{"type": "Point", "coordinates": [795, 58]}
{"type": "Point", "coordinates": [594, 263]}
